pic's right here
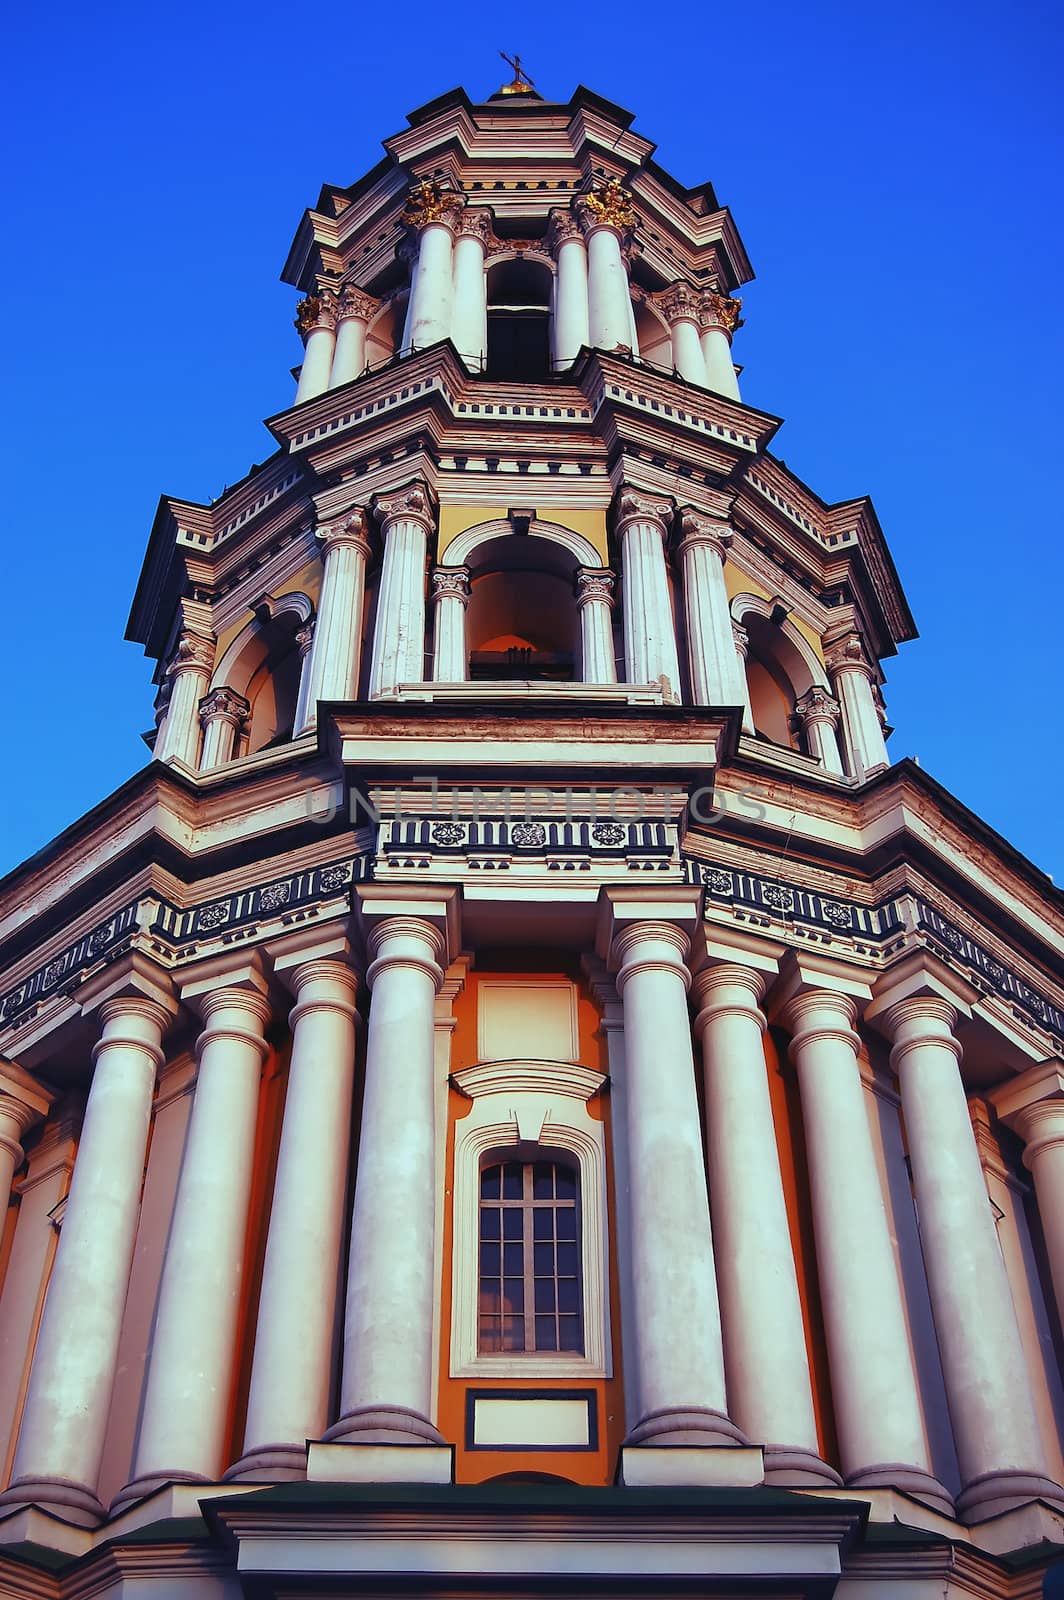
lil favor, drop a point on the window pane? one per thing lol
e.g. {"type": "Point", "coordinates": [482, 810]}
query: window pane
{"type": "Point", "coordinates": [490, 1333]}
{"type": "Point", "coordinates": [566, 1183]}
{"type": "Point", "coordinates": [568, 1262]}
{"type": "Point", "coordinates": [569, 1333]}
{"type": "Point", "coordinates": [513, 1222]}
{"type": "Point", "coordinates": [489, 1223]}
{"type": "Point", "coordinates": [566, 1222]}
{"type": "Point", "coordinates": [514, 1294]}
{"type": "Point", "coordinates": [513, 1333]}
{"type": "Point", "coordinates": [568, 1295]}
{"type": "Point", "coordinates": [543, 1181]}
{"type": "Point", "coordinates": [489, 1260]}
{"type": "Point", "coordinates": [489, 1183]}
{"type": "Point", "coordinates": [544, 1259]}
{"type": "Point", "coordinates": [511, 1181]}
{"type": "Point", "coordinates": [543, 1223]}
{"type": "Point", "coordinates": [513, 1256]}
{"type": "Point", "coordinates": [490, 1296]}
{"type": "Point", "coordinates": [544, 1294]}
{"type": "Point", "coordinates": [545, 1335]}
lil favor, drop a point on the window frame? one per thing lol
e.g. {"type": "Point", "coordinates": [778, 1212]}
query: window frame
{"type": "Point", "coordinates": [528, 1205]}
{"type": "Point", "coordinates": [527, 1110]}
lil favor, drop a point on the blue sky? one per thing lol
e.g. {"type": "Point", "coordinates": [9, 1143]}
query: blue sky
{"type": "Point", "coordinates": [895, 175]}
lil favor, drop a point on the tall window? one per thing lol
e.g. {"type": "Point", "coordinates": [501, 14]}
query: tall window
{"type": "Point", "coordinates": [530, 1289]}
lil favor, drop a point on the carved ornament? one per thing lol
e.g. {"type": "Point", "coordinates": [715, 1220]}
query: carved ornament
{"type": "Point", "coordinates": [192, 654]}
{"type": "Point", "coordinates": [451, 583]}
{"type": "Point", "coordinates": [608, 206]}
{"type": "Point", "coordinates": [594, 583]}
{"type": "Point", "coordinates": [355, 302]}
{"type": "Point", "coordinates": [636, 507]}
{"type": "Point", "coordinates": [224, 705]}
{"type": "Point", "coordinates": [817, 705]}
{"type": "Point", "coordinates": [412, 503]}
{"type": "Point", "coordinates": [429, 201]}
{"type": "Point", "coordinates": [720, 311]}
{"type": "Point", "coordinates": [316, 311]}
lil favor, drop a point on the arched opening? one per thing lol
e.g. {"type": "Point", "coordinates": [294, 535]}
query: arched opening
{"type": "Point", "coordinates": [655, 340]}
{"type": "Point", "coordinates": [522, 619]}
{"type": "Point", "coordinates": [772, 691]}
{"type": "Point", "coordinates": [384, 331]}
{"type": "Point", "coordinates": [519, 292]}
{"type": "Point", "coordinates": [264, 663]}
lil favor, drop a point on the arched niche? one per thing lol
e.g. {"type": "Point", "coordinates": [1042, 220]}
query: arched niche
{"type": "Point", "coordinates": [781, 665]}
{"type": "Point", "coordinates": [385, 329]}
{"type": "Point", "coordinates": [520, 290]}
{"type": "Point", "coordinates": [652, 332]}
{"type": "Point", "coordinates": [264, 663]}
{"type": "Point", "coordinates": [522, 619]}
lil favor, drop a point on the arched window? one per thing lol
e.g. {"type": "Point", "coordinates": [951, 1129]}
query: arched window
{"type": "Point", "coordinates": [531, 1295]}
{"type": "Point", "coordinates": [519, 293]}
{"type": "Point", "coordinates": [522, 621]}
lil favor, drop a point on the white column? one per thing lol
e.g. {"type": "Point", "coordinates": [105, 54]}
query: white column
{"type": "Point", "coordinates": [60, 1444]}
{"type": "Point", "coordinates": [222, 715]}
{"type": "Point", "coordinates": [742, 650]}
{"type": "Point", "coordinates": [190, 671]}
{"type": "Point", "coordinates": [711, 656]}
{"type": "Point", "coordinates": [680, 305]}
{"type": "Point", "coordinates": [570, 329]}
{"type": "Point", "coordinates": [719, 317]}
{"type": "Point", "coordinates": [769, 1388]}
{"type": "Point", "coordinates": [607, 219]}
{"type": "Point", "coordinates": [995, 1428]}
{"type": "Point", "coordinates": [880, 1426]}
{"type": "Point", "coordinates": [185, 1406]}
{"type": "Point", "coordinates": [305, 640]}
{"type": "Point", "coordinates": [819, 715]}
{"type": "Point", "coordinates": [316, 321]}
{"type": "Point", "coordinates": [336, 650]}
{"type": "Point", "coordinates": [1033, 1104]}
{"type": "Point", "coordinates": [399, 631]}
{"type": "Point", "coordinates": [594, 600]}
{"type": "Point", "coordinates": [678, 1342]}
{"type": "Point", "coordinates": [353, 311]}
{"type": "Point", "coordinates": [290, 1376]}
{"type": "Point", "coordinates": [433, 214]}
{"type": "Point", "coordinates": [23, 1101]}
{"type": "Point", "coordinates": [450, 596]}
{"type": "Point", "coordinates": [649, 630]}
{"type": "Point", "coordinates": [469, 316]}
{"type": "Point", "coordinates": [387, 1387]}
{"type": "Point", "coordinates": [851, 677]}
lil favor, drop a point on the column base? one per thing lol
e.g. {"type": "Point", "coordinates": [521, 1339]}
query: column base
{"type": "Point", "coordinates": [691, 1466]}
{"type": "Point", "coordinates": [354, 1462]}
{"type": "Point", "coordinates": [383, 1425]}
{"type": "Point", "coordinates": [793, 1467]}
{"type": "Point", "coordinates": [269, 1463]}
{"type": "Point", "coordinates": [689, 1425]}
{"type": "Point", "coordinates": [909, 1480]}
{"type": "Point", "coordinates": [150, 1483]}
{"type": "Point", "coordinates": [60, 1497]}
{"type": "Point", "coordinates": [993, 1493]}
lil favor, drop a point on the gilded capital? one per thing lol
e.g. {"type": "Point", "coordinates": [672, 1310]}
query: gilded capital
{"type": "Point", "coordinates": [609, 205]}
{"type": "Point", "coordinates": [720, 311]}
{"type": "Point", "coordinates": [316, 311]}
{"type": "Point", "coordinates": [428, 201]}
{"type": "Point", "coordinates": [355, 302]}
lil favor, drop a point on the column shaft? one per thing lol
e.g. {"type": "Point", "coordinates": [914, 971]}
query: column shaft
{"type": "Point", "coordinates": [608, 295]}
{"type": "Point", "coordinates": [316, 321]}
{"type": "Point", "coordinates": [994, 1424]}
{"type": "Point", "coordinates": [450, 593]}
{"type": "Point", "coordinates": [387, 1386]}
{"type": "Point", "coordinates": [571, 328]}
{"type": "Point", "coordinates": [714, 665]}
{"type": "Point", "coordinates": [769, 1387]}
{"type": "Point", "coordinates": [336, 649]}
{"type": "Point", "coordinates": [877, 1410]}
{"type": "Point", "coordinates": [60, 1444]}
{"type": "Point", "coordinates": [594, 598]}
{"type": "Point", "coordinates": [649, 630]}
{"type": "Point", "coordinates": [289, 1394]}
{"type": "Point", "coordinates": [190, 1365]}
{"type": "Point", "coordinates": [678, 1342]}
{"type": "Point", "coordinates": [190, 671]}
{"type": "Point", "coordinates": [399, 631]}
{"type": "Point", "coordinates": [222, 713]}
{"type": "Point", "coordinates": [851, 677]}
{"type": "Point", "coordinates": [469, 317]}
{"type": "Point", "coordinates": [432, 293]}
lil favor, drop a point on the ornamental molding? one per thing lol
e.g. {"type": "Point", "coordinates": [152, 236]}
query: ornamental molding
{"type": "Point", "coordinates": [720, 311]}
{"type": "Point", "coordinates": [608, 205]}
{"type": "Point", "coordinates": [351, 529]}
{"type": "Point", "coordinates": [428, 202]}
{"type": "Point", "coordinates": [175, 934]}
{"type": "Point", "coordinates": [475, 222]}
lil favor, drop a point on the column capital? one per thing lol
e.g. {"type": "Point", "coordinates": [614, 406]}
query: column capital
{"type": "Point", "coordinates": [243, 974]}
{"type": "Point", "coordinates": [633, 505]}
{"type": "Point", "coordinates": [304, 636]}
{"type": "Point", "coordinates": [350, 529]}
{"type": "Point", "coordinates": [23, 1098]}
{"type": "Point", "coordinates": [435, 907]}
{"type": "Point", "coordinates": [224, 705]}
{"type": "Point", "coordinates": [729, 991]}
{"type": "Point", "coordinates": [817, 997]}
{"type": "Point", "coordinates": [679, 303]}
{"type": "Point", "coordinates": [720, 311]}
{"type": "Point", "coordinates": [450, 583]}
{"type": "Point", "coordinates": [412, 503]}
{"type": "Point", "coordinates": [192, 653]}
{"type": "Point", "coordinates": [428, 201]}
{"type": "Point", "coordinates": [817, 705]}
{"type": "Point", "coordinates": [716, 945]}
{"type": "Point", "coordinates": [847, 654]}
{"type": "Point", "coordinates": [315, 311]}
{"type": "Point", "coordinates": [741, 637]}
{"type": "Point", "coordinates": [697, 527]}
{"type": "Point", "coordinates": [130, 979]}
{"type": "Point", "coordinates": [475, 222]}
{"type": "Point", "coordinates": [620, 908]}
{"type": "Point", "coordinates": [561, 228]}
{"type": "Point", "coordinates": [918, 975]}
{"type": "Point", "coordinates": [1033, 1106]}
{"type": "Point", "coordinates": [594, 583]}
{"type": "Point", "coordinates": [608, 205]}
{"type": "Point", "coordinates": [355, 302]}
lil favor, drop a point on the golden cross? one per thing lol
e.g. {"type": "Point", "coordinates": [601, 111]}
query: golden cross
{"type": "Point", "coordinates": [520, 76]}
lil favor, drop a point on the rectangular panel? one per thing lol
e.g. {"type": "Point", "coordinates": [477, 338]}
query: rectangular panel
{"type": "Point", "coordinates": [522, 1019]}
{"type": "Point", "coordinates": [539, 1423]}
